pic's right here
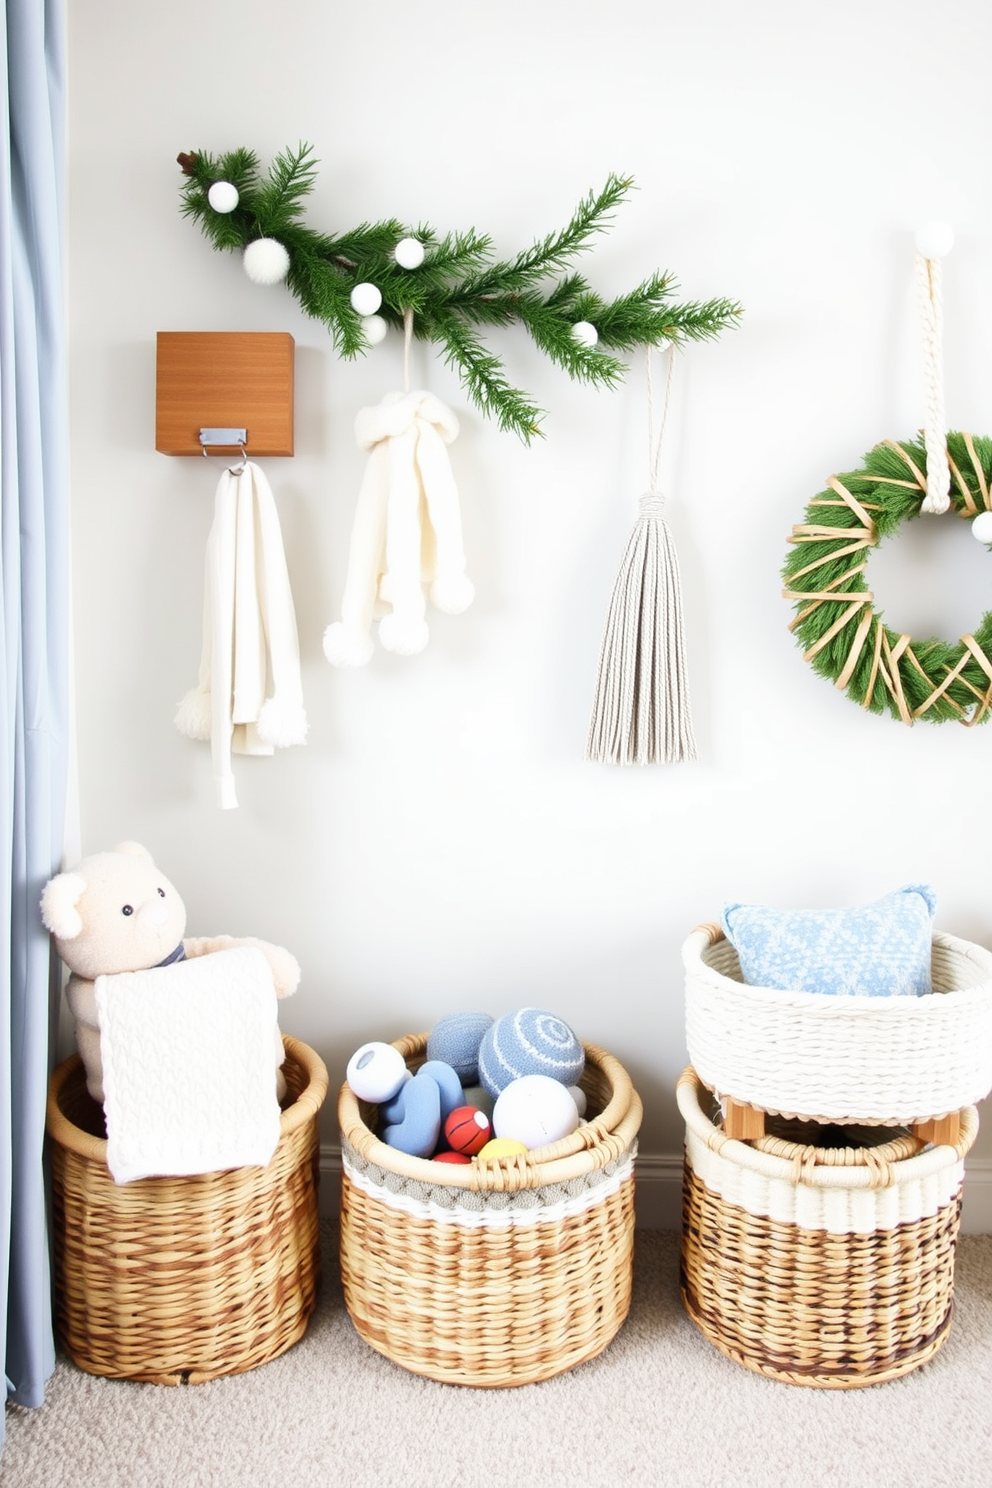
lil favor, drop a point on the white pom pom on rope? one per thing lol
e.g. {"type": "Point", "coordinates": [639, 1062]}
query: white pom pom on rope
{"type": "Point", "coordinates": [585, 333]}
{"type": "Point", "coordinates": [981, 527]}
{"type": "Point", "coordinates": [935, 239]}
{"type": "Point", "coordinates": [223, 197]}
{"type": "Point", "coordinates": [365, 299]}
{"type": "Point", "coordinates": [265, 261]}
{"type": "Point", "coordinates": [409, 253]}
{"type": "Point", "coordinates": [375, 329]}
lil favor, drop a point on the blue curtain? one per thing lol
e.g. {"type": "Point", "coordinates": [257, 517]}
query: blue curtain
{"type": "Point", "coordinates": [34, 688]}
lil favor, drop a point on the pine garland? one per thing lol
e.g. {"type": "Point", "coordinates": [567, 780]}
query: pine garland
{"type": "Point", "coordinates": [460, 287]}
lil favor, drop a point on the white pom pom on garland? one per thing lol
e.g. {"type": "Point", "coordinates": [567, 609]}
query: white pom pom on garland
{"type": "Point", "coordinates": [409, 253]}
{"type": "Point", "coordinates": [981, 527]}
{"type": "Point", "coordinates": [585, 333]}
{"type": "Point", "coordinates": [375, 329]}
{"type": "Point", "coordinates": [365, 299]}
{"type": "Point", "coordinates": [223, 196]}
{"type": "Point", "coordinates": [266, 261]}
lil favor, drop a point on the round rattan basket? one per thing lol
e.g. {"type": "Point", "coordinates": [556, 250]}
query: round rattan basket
{"type": "Point", "coordinates": [823, 1266]}
{"type": "Point", "coordinates": [501, 1273]}
{"type": "Point", "coordinates": [179, 1280]}
{"type": "Point", "coordinates": [885, 1060]}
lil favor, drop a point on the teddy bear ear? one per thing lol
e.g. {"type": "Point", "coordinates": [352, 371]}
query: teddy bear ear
{"type": "Point", "coordinates": [133, 850]}
{"type": "Point", "coordinates": [58, 905]}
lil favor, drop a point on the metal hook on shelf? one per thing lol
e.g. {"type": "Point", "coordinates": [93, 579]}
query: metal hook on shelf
{"type": "Point", "coordinates": [224, 438]}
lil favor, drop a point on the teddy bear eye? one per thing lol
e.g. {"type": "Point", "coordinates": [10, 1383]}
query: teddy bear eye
{"type": "Point", "coordinates": [127, 910]}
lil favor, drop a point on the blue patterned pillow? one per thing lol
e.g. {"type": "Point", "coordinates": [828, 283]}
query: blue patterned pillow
{"type": "Point", "coordinates": [879, 950]}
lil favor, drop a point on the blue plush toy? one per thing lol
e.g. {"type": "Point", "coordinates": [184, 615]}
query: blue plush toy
{"type": "Point", "coordinates": [529, 1042]}
{"type": "Point", "coordinates": [455, 1039]}
{"type": "Point", "coordinates": [412, 1120]}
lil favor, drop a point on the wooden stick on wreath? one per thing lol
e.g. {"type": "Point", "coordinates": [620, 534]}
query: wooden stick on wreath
{"type": "Point", "coordinates": [641, 710]}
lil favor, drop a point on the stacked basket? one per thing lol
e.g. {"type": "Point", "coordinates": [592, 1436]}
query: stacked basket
{"type": "Point", "coordinates": [502, 1273]}
{"type": "Point", "coordinates": [819, 1264]}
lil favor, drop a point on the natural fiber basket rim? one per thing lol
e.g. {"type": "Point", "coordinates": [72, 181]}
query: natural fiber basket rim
{"type": "Point", "coordinates": [935, 1003]}
{"type": "Point", "coordinates": [690, 1090]}
{"type": "Point", "coordinates": [602, 1140]}
{"type": "Point", "coordinates": [94, 1149]}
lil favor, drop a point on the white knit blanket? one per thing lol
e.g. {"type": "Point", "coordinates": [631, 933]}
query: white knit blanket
{"type": "Point", "coordinates": [189, 1069]}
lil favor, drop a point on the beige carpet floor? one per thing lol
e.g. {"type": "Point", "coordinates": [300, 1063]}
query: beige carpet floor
{"type": "Point", "coordinates": [660, 1407]}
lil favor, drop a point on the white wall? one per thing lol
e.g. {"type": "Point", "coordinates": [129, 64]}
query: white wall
{"type": "Point", "coordinates": [440, 842]}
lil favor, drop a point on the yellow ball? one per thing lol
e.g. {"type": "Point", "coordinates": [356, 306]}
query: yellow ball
{"type": "Point", "coordinates": [501, 1147]}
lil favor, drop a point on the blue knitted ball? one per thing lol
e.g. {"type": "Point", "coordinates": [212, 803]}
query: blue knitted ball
{"type": "Point", "coordinates": [529, 1042]}
{"type": "Point", "coordinates": [455, 1040]}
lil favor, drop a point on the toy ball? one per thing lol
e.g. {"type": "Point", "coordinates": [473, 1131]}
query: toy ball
{"type": "Point", "coordinates": [467, 1130]}
{"type": "Point", "coordinates": [223, 196]}
{"type": "Point", "coordinates": [529, 1042]}
{"type": "Point", "coordinates": [447, 1082]}
{"type": "Point", "coordinates": [535, 1110]}
{"type": "Point", "coordinates": [365, 299]}
{"type": "Point", "coordinates": [265, 261]}
{"type": "Point", "coordinates": [376, 1071]}
{"type": "Point", "coordinates": [981, 527]}
{"type": "Point", "coordinates": [409, 253]}
{"type": "Point", "coordinates": [451, 1157]}
{"type": "Point", "coordinates": [417, 1132]}
{"type": "Point", "coordinates": [585, 333]}
{"type": "Point", "coordinates": [579, 1097]}
{"type": "Point", "coordinates": [456, 1039]}
{"type": "Point", "coordinates": [502, 1147]}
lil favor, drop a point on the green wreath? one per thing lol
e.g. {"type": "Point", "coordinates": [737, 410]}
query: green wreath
{"type": "Point", "coordinates": [842, 634]}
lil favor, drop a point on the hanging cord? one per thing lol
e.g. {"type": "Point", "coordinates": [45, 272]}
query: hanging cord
{"type": "Point", "coordinates": [640, 710]}
{"type": "Point", "coordinates": [928, 283]}
{"type": "Point", "coordinates": [407, 341]}
{"type": "Point", "coordinates": [654, 445]}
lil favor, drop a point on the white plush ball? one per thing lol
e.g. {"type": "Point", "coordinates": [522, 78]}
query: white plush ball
{"type": "Point", "coordinates": [409, 253]}
{"type": "Point", "coordinates": [534, 1110]}
{"type": "Point", "coordinates": [365, 299]}
{"type": "Point", "coordinates": [375, 329]}
{"type": "Point", "coordinates": [935, 239]}
{"type": "Point", "coordinates": [266, 261]}
{"type": "Point", "coordinates": [981, 527]}
{"type": "Point", "coordinates": [452, 593]}
{"type": "Point", "coordinates": [579, 1097]}
{"type": "Point", "coordinates": [223, 197]}
{"type": "Point", "coordinates": [376, 1071]}
{"type": "Point", "coordinates": [585, 333]}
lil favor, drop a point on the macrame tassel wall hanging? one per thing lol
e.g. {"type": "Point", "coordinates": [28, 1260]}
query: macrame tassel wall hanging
{"type": "Point", "coordinates": [249, 696]}
{"type": "Point", "coordinates": [406, 540]}
{"type": "Point", "coordinates": [641, 711]}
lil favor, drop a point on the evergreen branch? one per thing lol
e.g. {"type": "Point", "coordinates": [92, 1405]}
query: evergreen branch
{"type": "Point", "coordinates": [481, 375]}
{"type": "Point", "coordinates": [456, 288]}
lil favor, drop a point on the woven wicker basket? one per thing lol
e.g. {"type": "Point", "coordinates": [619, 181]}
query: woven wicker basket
{"type": "Point", "coordinates": [821, 1266]}
{"type": "Point", "coordinates": [498, 1274]}
{"type": "Point", "coordinates": [885, 1060]}
{"type": "Point", "coordinates": [179, 1280]}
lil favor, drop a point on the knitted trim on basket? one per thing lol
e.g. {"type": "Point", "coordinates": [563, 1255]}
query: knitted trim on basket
{"type": "Point", "coordinates": [496, 1207]}
{"type": "Point", "coordinates": [840, 1210]}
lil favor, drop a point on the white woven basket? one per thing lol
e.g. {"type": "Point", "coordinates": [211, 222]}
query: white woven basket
{"type": "Point", "coordinates": [879, 1060]}
{"type": "Point", "coordinates": [841, 1200]}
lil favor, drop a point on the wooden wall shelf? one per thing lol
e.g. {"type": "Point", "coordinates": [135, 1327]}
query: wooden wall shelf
{"type": "Point", "coordinates": [224, 379]}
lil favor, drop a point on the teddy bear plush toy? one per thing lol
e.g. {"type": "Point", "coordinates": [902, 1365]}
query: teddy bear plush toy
{"type": "Point", "coordinates": [115, 911]}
